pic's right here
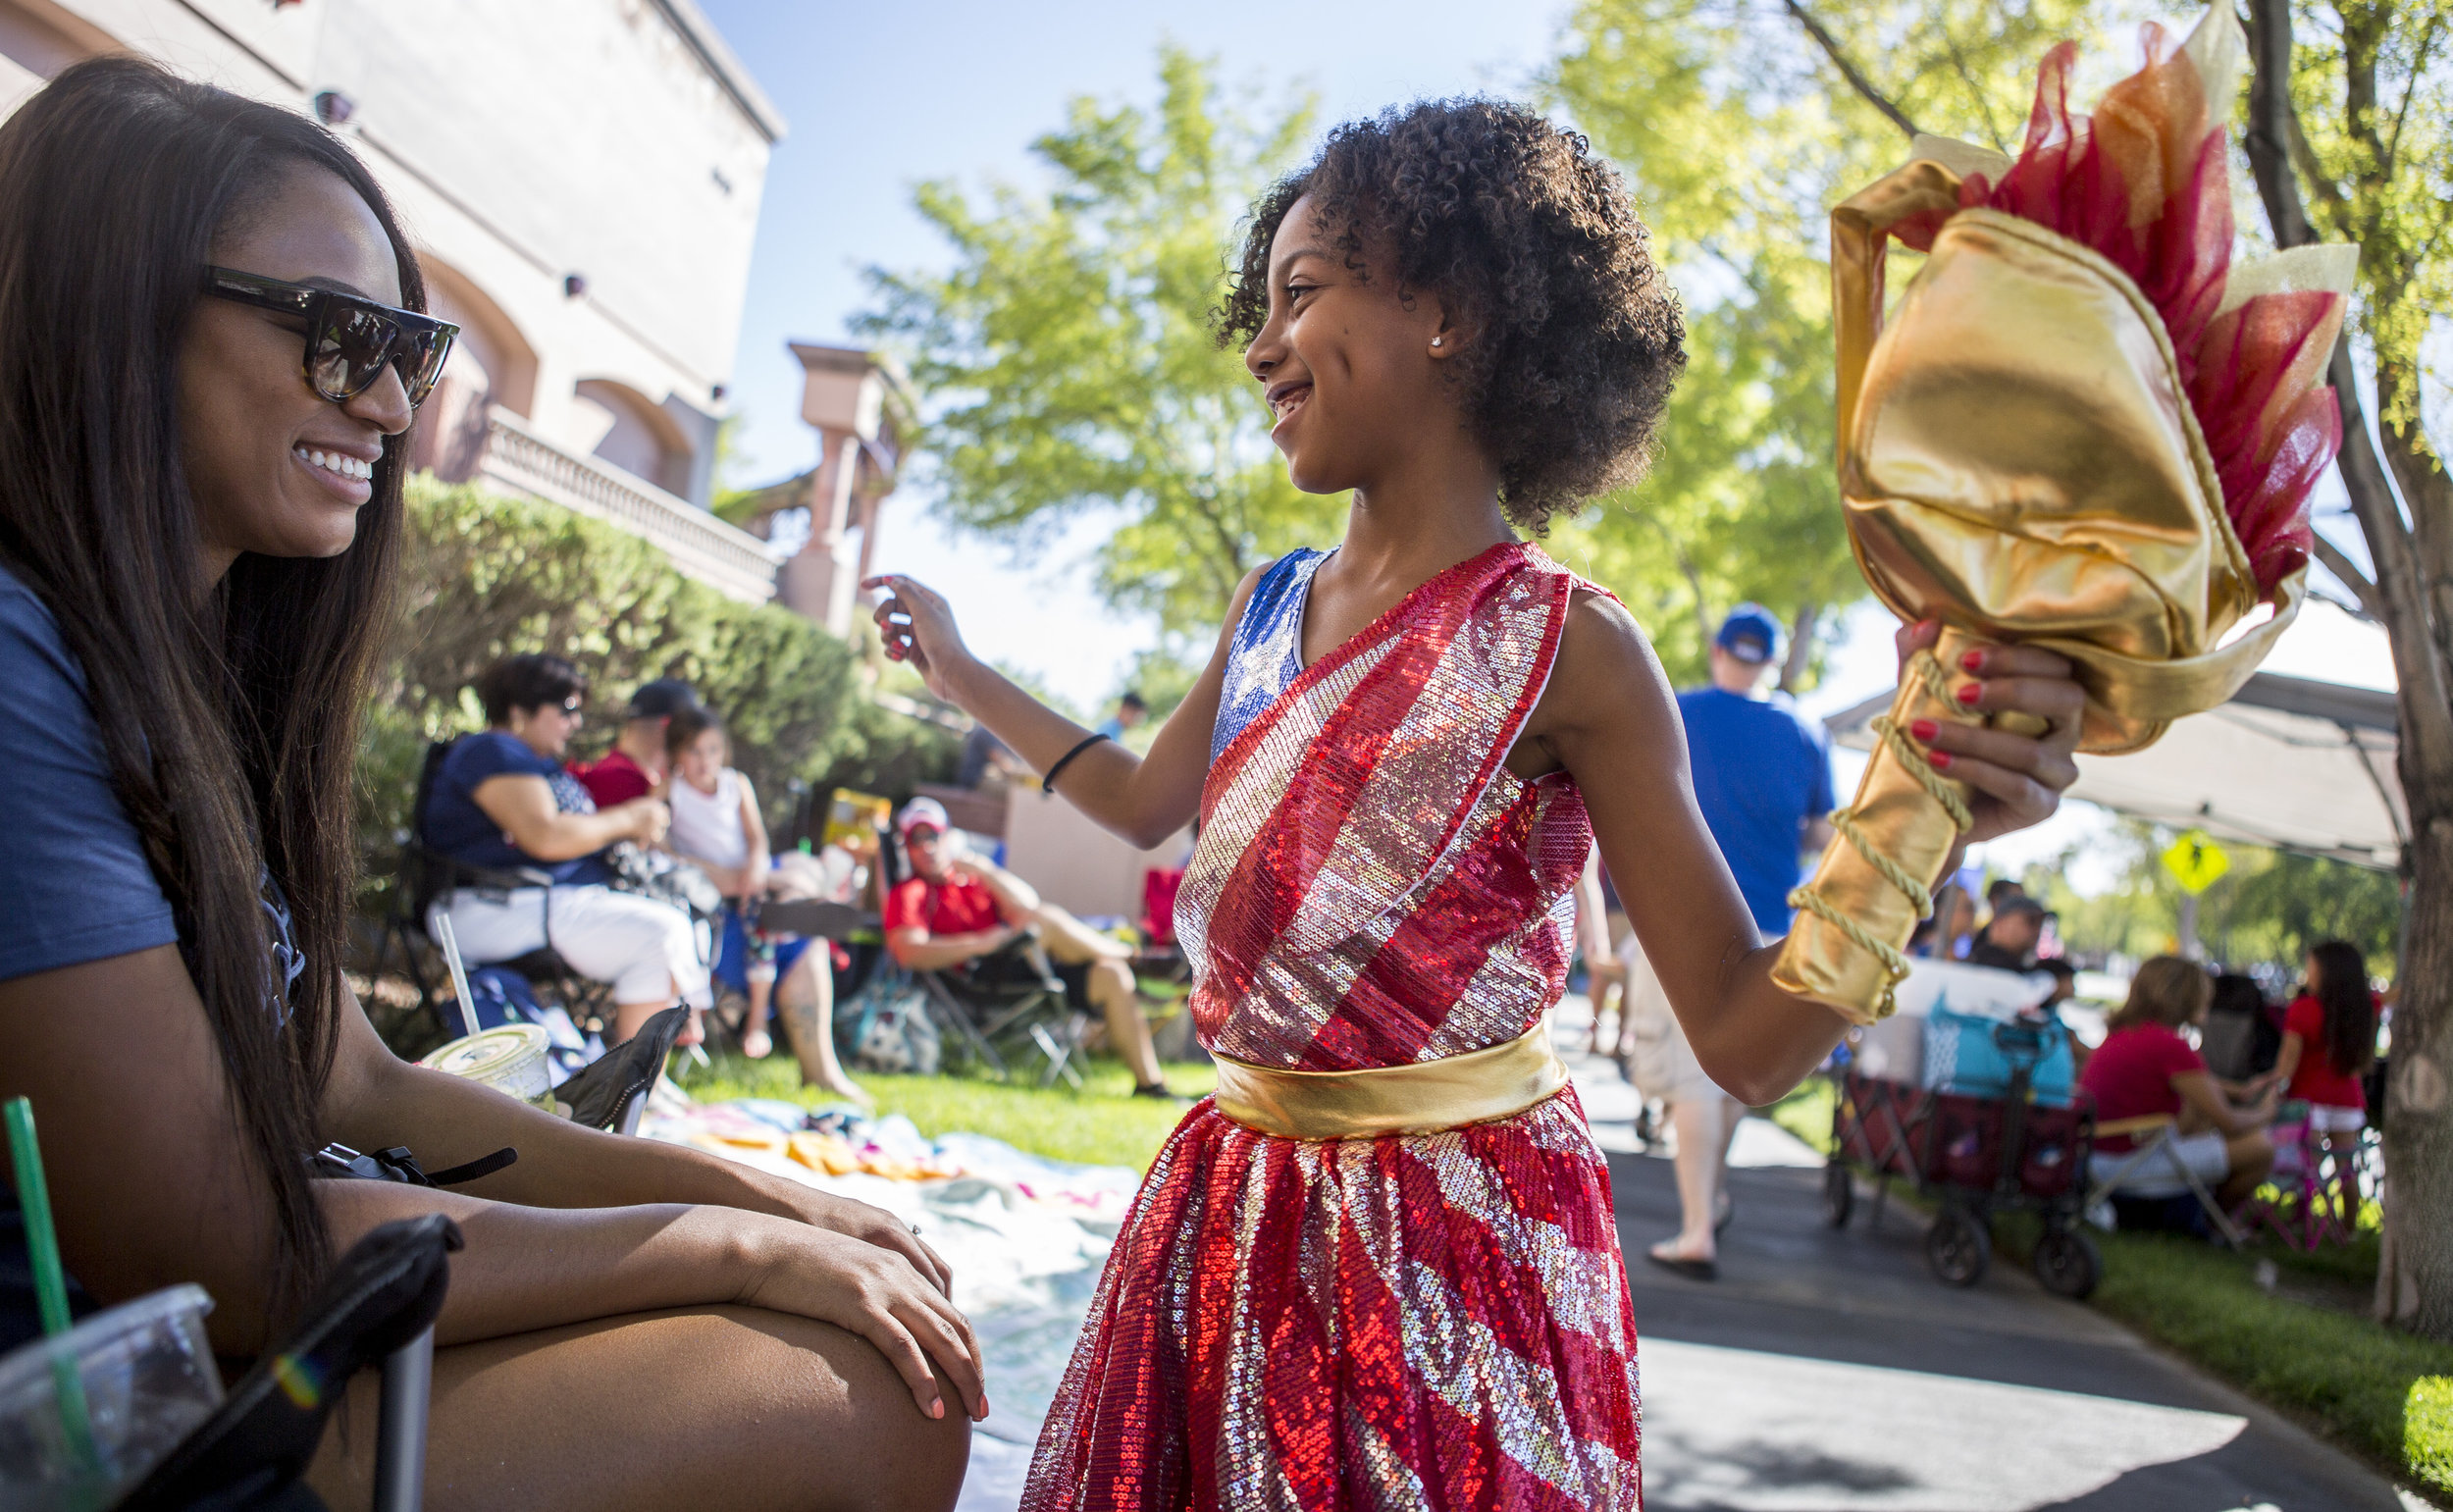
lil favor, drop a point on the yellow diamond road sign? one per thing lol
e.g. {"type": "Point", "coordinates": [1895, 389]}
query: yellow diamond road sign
{"type": "Point", "coordinates": [2195, 861]}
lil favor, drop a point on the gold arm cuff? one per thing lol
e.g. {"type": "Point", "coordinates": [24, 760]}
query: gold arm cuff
{"type": "Point", "coordinates": [1422, 1098]}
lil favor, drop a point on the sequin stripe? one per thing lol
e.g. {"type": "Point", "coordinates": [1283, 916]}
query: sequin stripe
{"type": "Point", "coordinates": [1464, 1300]}
{"type": "Point", "coordinates": [1417, 980]}
{"type": "Point", "coordinates": [1519, 979]}
{"type": "Point", "coordinates": [1518, 1405]}
{"type": "Point", "coordinates": [1229, 764]}
{"type": "Point", "coordinates": [1433, 763]}
{"type": "Point", "coordinates": [1125, 1384]}
{"type": "Point", "coordinates": [1509, 1485]}
{"type": "Point", "coordinates": [1494, 1284]}
{"type": "Point", "coordinates": [1379, 1410]}
{"type": "Point", "coordinates": [1305, 1341]}
{"type": "Point", "coordinates": [1276, 871]}
{"type": "Point", "coordinates": [1396, 1231]}
{"type": "Point", "coordinates": [1229, 827]}
{"type": "Point", "coordinates": [1296, 997]}
{"type": "Point", "coordinates": [1232, 1462]}
{"type": "Point", "coordinates": [1541, 1236]}
{"type": "Point", "coordinates": [1289, 1000]}
{"type": "Point", "coordinates": [1564, 1190]}
{"type": "Point", "coordinates": [1326, 772]}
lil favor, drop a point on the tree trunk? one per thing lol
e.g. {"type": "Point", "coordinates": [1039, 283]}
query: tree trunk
{"type": "Point", "coordinates": [1801, 646]}
{"type": "Point", "coordinates": [2415, 1274]}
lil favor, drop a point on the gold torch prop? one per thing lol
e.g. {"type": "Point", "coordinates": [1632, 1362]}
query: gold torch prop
{"type": "Point", "coordinates": [2021, 459]}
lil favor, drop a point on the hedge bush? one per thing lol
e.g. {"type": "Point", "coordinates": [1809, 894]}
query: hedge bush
{"type": "Point", "coordinates": [484, 576]}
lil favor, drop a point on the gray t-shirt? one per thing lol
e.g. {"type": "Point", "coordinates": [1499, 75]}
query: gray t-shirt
{"type": "Point", "coordinates": [75, 886]}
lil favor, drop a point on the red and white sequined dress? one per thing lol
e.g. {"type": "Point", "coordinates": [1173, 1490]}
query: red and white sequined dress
{"type": "Point", "coordinates": [1413, 1321]}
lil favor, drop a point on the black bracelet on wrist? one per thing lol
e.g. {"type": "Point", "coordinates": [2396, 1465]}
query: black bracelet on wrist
{"type": "Point", "coordinates": [1047, 784]}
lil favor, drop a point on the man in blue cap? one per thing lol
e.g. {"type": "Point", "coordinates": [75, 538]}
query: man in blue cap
{"type": "Point", "coordinates": [1762, 779]}
{"type": "Point", "coordinates": [1763, 770]}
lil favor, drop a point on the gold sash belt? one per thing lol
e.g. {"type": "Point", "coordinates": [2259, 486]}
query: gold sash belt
{"type": "Point", "coordinates": [1422, 1098]}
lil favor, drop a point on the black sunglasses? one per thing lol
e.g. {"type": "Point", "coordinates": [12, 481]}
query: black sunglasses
{"type": "Point", "coordinates": [348, 339]}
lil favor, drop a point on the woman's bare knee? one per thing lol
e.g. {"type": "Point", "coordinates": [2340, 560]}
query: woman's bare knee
{"type": "Point", "coordinates": [734, 1407]}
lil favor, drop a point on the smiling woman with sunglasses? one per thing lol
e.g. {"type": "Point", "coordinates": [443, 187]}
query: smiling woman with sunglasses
{"type": "Point", "coordinates": [199, 524]}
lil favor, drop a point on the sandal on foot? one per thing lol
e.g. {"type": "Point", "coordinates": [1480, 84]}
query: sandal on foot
{"type": "Point", "coordinates": [1691, 1269]}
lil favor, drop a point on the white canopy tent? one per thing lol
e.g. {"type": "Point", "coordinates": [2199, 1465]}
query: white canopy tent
{"type": "Point", "coordinates": [2291, 762]}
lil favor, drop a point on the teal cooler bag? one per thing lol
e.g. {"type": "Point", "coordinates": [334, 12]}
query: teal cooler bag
{"type": "Point", "coordinates": [1971, 1054]}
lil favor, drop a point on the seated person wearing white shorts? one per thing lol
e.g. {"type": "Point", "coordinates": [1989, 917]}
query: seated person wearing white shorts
{"type": "Point", "coordinates": [501, 802]}
{"type": "Point", "coordinates": [2146, 1069]}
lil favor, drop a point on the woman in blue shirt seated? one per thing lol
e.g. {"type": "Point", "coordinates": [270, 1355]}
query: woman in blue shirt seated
{"type": "Point", "coordinates": [504, 803]}
{"type": "Point", "coordinates": [213, 348]}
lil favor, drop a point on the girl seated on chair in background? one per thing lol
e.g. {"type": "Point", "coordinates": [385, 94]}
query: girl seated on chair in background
{"type": "Point", "coordinates": [717, 826]}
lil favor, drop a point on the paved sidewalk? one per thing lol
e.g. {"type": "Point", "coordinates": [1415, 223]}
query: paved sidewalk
{"type": "Point", "coordinates": [1828, 1371]}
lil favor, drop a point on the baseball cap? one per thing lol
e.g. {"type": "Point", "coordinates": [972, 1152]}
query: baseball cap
{"type": "Point", "coordinates": [661, 700]}
{"type": "Point", "coordinates": [2022, 904]}
{"type": "Point", "coordinates": [1750, 634]}
{"type": "Point", "coordinates": [920, 813]}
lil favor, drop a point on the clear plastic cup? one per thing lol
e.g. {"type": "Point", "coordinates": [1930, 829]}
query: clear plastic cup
{"type": "Point", "coordinates": [83, 1416]}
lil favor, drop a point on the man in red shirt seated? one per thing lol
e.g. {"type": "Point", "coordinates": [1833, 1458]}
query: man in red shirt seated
{"type": "Point", "coordinates": [635, 763]}
{"type": "Point", "coordinates": [2145, 1068]}
{"type": "Point", "coordinates": [957, 908]}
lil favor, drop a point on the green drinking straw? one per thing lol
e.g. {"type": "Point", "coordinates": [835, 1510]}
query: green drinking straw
{"type": "Point", "coordinates": [42, 1247]}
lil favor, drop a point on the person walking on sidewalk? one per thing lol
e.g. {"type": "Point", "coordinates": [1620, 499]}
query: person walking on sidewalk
{"type": "Point", "coordinates": [1762, 779]}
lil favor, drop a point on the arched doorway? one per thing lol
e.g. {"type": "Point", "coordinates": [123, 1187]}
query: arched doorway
{"type": "Point", "coordinates": [491, 364]}
{"type": "Point", "coordinates": [631, 432]}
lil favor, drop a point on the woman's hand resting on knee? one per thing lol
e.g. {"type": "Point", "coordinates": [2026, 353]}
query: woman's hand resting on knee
{"type": "Point", "coordinates": [858, 1220]}
{"type": "Point", "coordinates": [872, 1292]}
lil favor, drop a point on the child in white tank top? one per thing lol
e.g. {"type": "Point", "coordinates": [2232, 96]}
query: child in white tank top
{"type": "Point", "coordinates": [716, 825]}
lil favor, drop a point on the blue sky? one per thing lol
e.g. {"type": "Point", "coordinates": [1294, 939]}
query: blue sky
{"type": "Point", "coordinates": [882, 96]}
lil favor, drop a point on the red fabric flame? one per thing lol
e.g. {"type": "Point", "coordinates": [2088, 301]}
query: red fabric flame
{"type": "Point", "coordinates": [2146, 182]}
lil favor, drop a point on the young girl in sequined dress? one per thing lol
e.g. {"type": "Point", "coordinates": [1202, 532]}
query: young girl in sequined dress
{"type": "Point", "coordinates": [1378, 1268]}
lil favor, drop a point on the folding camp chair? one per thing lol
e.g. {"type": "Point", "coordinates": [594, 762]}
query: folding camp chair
{"type": "Point", "coordinates": [1011, 999]}
{"type": "Point", "coordinates": [2155, 1136]}
{"type": "Point", "coordinates": [2319, 1182]}
{"type": "Point", "coordinates": [424, 874]}
{"type": "Point", "coordinates": [377, 1306]}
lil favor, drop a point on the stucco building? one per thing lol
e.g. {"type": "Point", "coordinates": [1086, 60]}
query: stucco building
{"type": "Point", "coordinates": [582, 177]}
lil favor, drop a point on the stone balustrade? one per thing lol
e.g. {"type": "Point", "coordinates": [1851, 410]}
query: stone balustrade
{"type": "Point", "coordinates": [728, 559]}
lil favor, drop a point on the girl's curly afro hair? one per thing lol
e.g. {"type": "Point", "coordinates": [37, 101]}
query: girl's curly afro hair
{"type": "Point", "coordinates": [1578, 338]}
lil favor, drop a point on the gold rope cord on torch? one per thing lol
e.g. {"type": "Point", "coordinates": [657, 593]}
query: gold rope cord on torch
{"type": "Point", "coordinates": [1841, 894]}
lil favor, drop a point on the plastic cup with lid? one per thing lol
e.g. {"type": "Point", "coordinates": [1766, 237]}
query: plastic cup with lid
{"type": "Point", "coordinates": [148, 1382]}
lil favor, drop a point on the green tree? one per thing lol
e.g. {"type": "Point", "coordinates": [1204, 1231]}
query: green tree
{"type": "Point", "coordinates": [1068, 355]}
{"type": "Point", "coordinates": [1740, 123]}
{"type": "Point", "coordinates": [2351, 139]}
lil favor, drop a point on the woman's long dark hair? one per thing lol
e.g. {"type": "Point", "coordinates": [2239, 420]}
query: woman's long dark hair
{"type": "Point", "coordinates": [229, 723]}
{"type": "Point", "coordinates": [2341, 989]}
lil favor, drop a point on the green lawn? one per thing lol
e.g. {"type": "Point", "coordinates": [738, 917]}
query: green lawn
{"type": "Point", "coordinates": [1806, 1113]}
{"type": "Point", "coordinates": [1102, 1125]}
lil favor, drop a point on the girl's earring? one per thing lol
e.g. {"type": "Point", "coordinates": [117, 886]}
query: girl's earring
{"type": "Point", "coordinates": [1436, 340]}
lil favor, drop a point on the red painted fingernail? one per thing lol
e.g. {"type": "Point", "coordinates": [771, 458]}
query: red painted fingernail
{"type": "Point", "coordinates": [1924, 730]}
{"type": "Point", "coordinates": [1970, 693]}
{"type": "Point", "coordinates": [1940, 758]}
{"type": "Point", "coordinates": [1973, 661]}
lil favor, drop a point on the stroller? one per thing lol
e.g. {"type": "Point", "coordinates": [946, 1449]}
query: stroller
{"type": "Point", "coordinates": [1972, 1157]}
